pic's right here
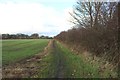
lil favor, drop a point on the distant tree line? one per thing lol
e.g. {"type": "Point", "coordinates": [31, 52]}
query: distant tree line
{"type": "Point", "coordinates": [24, 36]}
{"type": "Point", "coordinates": [95, 30]}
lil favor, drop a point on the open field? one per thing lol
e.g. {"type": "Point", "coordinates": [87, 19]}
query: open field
{"type": "Point", "coordinates": [15, 50]}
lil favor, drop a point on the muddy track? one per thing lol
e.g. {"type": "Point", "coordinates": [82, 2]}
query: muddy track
{"type": "Point", "coordinates": [60, 64]}
{"type": "Point", "coordinates": [25, 68]}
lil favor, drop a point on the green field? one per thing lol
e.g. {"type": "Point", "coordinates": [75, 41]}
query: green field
{"type": "Point", "coordinates": [15, 50]}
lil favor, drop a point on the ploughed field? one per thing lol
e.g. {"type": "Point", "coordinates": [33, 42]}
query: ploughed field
{"type": "Point", "coordinates": [16, 50]}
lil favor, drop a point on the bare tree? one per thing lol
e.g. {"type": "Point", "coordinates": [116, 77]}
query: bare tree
{"type": "Point", "coordinates": [100, 32]}
{"type": "Point", "coordinates": [83, 13]}
{"type": "Point", "coordinates": [92, 14]}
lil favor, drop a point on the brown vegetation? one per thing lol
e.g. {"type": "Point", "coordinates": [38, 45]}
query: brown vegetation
{"type": "Point", "coordinates": [95, 30]}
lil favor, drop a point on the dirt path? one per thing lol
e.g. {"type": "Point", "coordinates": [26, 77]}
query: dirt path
{"type": "Point", "coordinates": [60, 64]}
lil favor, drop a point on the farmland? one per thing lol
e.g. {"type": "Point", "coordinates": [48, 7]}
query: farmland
{"type": "Point", "coordinates": [78, 39]}
{"type": "Point", "coordinates": [16, 50]}
{"type": "Point", "coordinates": [55, 61]}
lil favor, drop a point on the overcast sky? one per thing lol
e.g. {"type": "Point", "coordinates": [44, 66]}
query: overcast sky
{"type": "Point", "coordinates": [46, 17]}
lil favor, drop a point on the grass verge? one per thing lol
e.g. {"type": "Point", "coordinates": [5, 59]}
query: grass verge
{"type": "Point", "coordinates": [62, 63]}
